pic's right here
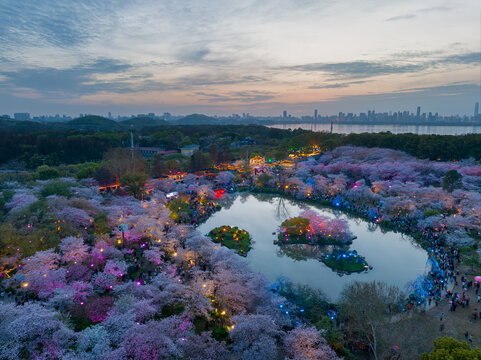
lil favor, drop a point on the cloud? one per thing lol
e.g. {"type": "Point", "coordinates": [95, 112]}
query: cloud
{"type": "Point", "coordinates": [60, 23]}
{"type": "Point", "coordinates": [252, 96]}
{"type": "Point", "coordinates": [401, 17]}
{"type": "Point", "coordinates": [435, 8]}
{"type": "Point", "coordinates": [74, 81]}
{"type": "Point", "coordinates": [367, 69]}
{"type": "Point", "coordinates": [193, 56]}
{"type": "Point", "coordinates": [358, 69]}
{"type": "Point", "coordinates": [462, 59]}
{"type": "Point", "coordinates": [337, 85]}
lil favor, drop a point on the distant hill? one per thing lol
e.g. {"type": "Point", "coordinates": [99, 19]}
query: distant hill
{"type": "Point", "coordinates": [92, 122]}
{"type": "Point", "coordinates": [16, 125]}
{"type": "Point", "coordinates": [140, 122]}
{"type": "Point", "coordinates": [197, 119]}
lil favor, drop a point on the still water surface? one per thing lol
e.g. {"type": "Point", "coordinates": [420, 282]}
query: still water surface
{"type": "Point", "coordinates": [395, 129]}
{"type": "Point", "coordinates": [396, 258]}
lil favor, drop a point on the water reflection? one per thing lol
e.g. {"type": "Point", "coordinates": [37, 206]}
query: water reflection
{"type": "Point", "coordinates": [394, 128]}
{"type": "Point", "coordinates": [395, 258]}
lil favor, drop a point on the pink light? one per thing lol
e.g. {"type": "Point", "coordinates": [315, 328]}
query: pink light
{"type": "Point", "coordinates": [139, 283]}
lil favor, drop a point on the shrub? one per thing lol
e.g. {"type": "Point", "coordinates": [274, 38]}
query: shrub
{"type": "Point", "coordinates": [60, 188]}
{"type": "Point", "coordinates": [45, 172]}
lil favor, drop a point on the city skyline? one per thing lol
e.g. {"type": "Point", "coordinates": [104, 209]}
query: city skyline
{"type": "Point", "coordinates": [418, 115]}
{"type": "Point", "coordinates": [200, 57]}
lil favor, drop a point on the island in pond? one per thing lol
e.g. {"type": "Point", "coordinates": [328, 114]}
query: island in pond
{"type": "Point", "coordinates": [232, 237]}
{"type": "Point", "coordinates": [313, 229]}
{"type": "Point", "coordinates": [313, 235]}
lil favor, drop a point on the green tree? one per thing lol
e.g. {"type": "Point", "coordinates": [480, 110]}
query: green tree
{"type": "Point", "coordinates": [45, 172]}
{"type": "Point", "coordinates": [134, 183]}
{"type": "Point", "coordinates": [159, 166]}
{"type": "Point", "coordinates": [263, 179]}
{"type": "Point", "coordinates": [87, 170]}
{"type": "Point", "coordinates": [471, 259]}
{"type": "Point", "coordinates": [452, 180]}
{"type": "Point", "coordinates": [200, 161]}
{"type": "Point", "coordinates": [104, 175]}
{"type": "Point", "coordinates": [447, 348]}
{"type": "Point", "coordinates": [60, 188]}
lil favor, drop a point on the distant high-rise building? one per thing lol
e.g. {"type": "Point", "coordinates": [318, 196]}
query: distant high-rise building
{"type": "Point", "coordinates": [418, 112]}
{"type": "Point", "coordinates": [341, 116]}
{"type": "Point", "coordinates": [476, 110]}
{"type": "Point", "coordinates": [315, 114]}
{"type": "Point", "coordinates": [21, 116]}
{"type": "Point", "coordinates": [284, 114]}
{"type": "Point", "coordinates": [110, 115]}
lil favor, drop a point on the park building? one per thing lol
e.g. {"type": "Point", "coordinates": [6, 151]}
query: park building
{"type": "Point", "coordinates": [189, 150]}
{"type": "Point", "coordinates": [257, 161]}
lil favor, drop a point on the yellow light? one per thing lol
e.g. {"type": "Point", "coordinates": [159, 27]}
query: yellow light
{"type": "Point", "coordinates": [174, 254]}
{"type": "Point", "coordinates": [119, 241]}
{"type": "Point", "coordinates": [101, 249]}
{"type": "Point", "coordinates": [223, 312]}
{"type": "Point", "coordinates": [204, 285]}
{"type": "Point", "coordinates": [25, 284]}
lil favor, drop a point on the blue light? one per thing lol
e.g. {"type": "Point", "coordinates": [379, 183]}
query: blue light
{"type": "Point", "coordinates": [302, 310]}
{"type": "Point", "coordinates": [287, 312]}
{"type": "Point", "coordinates": [281, 306]}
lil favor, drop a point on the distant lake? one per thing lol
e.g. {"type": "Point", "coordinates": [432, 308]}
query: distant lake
{"type": "Point", "coordinates": [395, 129]}
{"type": "Point", "coordinates": [396, 258]}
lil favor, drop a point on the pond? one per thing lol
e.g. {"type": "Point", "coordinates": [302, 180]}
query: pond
{"type": "Point", "coordinates": [395, 258]}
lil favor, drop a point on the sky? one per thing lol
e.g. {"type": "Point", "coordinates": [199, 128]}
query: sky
{"type": "Point", "coordinates": [223, 57]}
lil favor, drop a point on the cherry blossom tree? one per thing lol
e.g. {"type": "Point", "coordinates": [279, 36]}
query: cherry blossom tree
{"type": "Point", "coordinates": [307, 343]}
{"type": "Point", "coordinates": [73, 249]}
{"type": "Point", "coordinates": [224, 177]}
{"type": "Point", "coordinates": [34, 332]}
{"type": "Point", "coordinates": [97, 308]}
{"type": "Point", "coordinates": [254, 337]}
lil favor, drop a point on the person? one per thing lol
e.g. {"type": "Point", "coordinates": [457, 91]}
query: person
{"type": "Point", "coordinates": [470, 340]}
{"type": "Point", "coordinates": [441, 317]}
{"type": "Point", "coordinates": [466, 334]}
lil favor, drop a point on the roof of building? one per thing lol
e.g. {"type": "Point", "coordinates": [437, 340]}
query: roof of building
{"type": "Point", "coordinates": [189, 147]}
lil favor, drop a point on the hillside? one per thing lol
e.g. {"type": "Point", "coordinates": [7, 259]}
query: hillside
{"type": "Point", "coordinates": [16, 125]}
{"type": "Point", "coordinates": [92, 122]}
{"type": "Point", "coordinates": [140, 122]}
{"type": "Point", "coordinates": [197, 119]}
